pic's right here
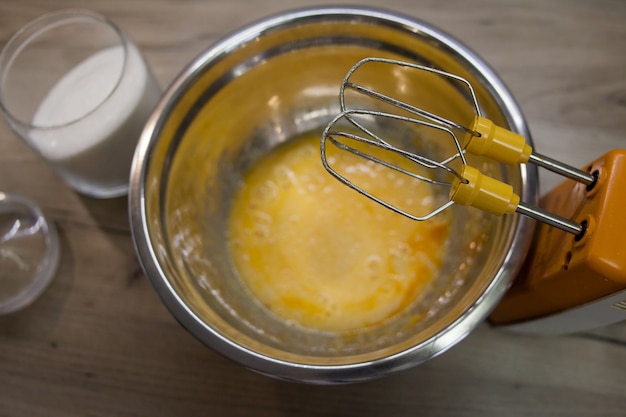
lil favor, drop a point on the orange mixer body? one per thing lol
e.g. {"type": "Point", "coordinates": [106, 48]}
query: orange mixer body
{"type": "Point", "coordinates": [562, 272]}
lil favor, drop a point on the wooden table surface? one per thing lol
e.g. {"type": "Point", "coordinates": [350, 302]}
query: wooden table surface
{"type": "Point", "coordinates": [100, 343]}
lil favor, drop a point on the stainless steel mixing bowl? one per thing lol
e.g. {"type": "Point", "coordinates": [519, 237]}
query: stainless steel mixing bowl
{"type": "Point", "coordinates": [259, 87]}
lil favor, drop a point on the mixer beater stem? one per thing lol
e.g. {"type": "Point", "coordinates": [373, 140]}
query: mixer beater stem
{"type": "Point", "coordinates": [550, 219]}
{"type": "Point", "coordinates": [562, 169]}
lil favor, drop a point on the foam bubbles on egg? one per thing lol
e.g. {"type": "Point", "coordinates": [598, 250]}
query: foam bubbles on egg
{"type": "Point", "coordinates": [317, 254]}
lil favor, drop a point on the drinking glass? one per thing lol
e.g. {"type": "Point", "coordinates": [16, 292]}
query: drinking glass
{"type": "Point", "coordinates": [78, 91]}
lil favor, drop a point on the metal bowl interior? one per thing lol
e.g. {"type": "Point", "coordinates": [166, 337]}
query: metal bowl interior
{"type": "Point", "coordinates": [264, 85]}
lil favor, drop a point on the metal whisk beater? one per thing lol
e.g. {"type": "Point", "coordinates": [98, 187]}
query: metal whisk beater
{"type": "Point", "coordinates": [348, 131]}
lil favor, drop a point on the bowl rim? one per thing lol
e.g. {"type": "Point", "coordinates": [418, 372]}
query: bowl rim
{"type": "Point", "coordinates": [314, 373]}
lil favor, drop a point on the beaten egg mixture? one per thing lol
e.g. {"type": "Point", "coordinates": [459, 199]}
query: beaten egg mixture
{"type": "Point", "coordinates": [318, 254]}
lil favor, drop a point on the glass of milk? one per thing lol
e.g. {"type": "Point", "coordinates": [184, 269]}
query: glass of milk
{"type": "Point", "coordinates": [78, 91]}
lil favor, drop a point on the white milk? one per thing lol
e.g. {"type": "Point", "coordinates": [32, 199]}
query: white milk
{"type": "Point", "coordinates": [91, 144]}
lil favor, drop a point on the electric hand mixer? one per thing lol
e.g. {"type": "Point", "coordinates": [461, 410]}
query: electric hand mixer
{"type": "Point", "coordinates": [575, 274]}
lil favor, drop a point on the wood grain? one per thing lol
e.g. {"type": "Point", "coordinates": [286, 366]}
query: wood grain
{"type": "Point", "coordinates": [100, 343]}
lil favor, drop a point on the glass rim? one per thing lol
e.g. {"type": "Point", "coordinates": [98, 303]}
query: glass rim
{"type": "Point", "coordinates": [32, 30]}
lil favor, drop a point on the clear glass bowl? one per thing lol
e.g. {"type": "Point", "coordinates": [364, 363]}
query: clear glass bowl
{"type": "Point", "coordinates": [29, 252]}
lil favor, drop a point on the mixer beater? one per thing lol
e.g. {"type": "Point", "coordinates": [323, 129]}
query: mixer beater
{"type": "Point", "coordinates": [560, 274]}
{"type": "Point", "coordinates": [468, 185]}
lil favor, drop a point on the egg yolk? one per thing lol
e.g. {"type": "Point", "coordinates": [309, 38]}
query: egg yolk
{"type": "Point", "coordinates": [320, 255]}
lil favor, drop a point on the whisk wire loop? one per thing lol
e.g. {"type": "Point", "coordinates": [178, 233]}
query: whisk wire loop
{"type": "Point", "coordinates": [331, 135]}
{"type": "Point", "coordinates": [336, 137]}
{"type": "Point", "coordinates": [347, 84]}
